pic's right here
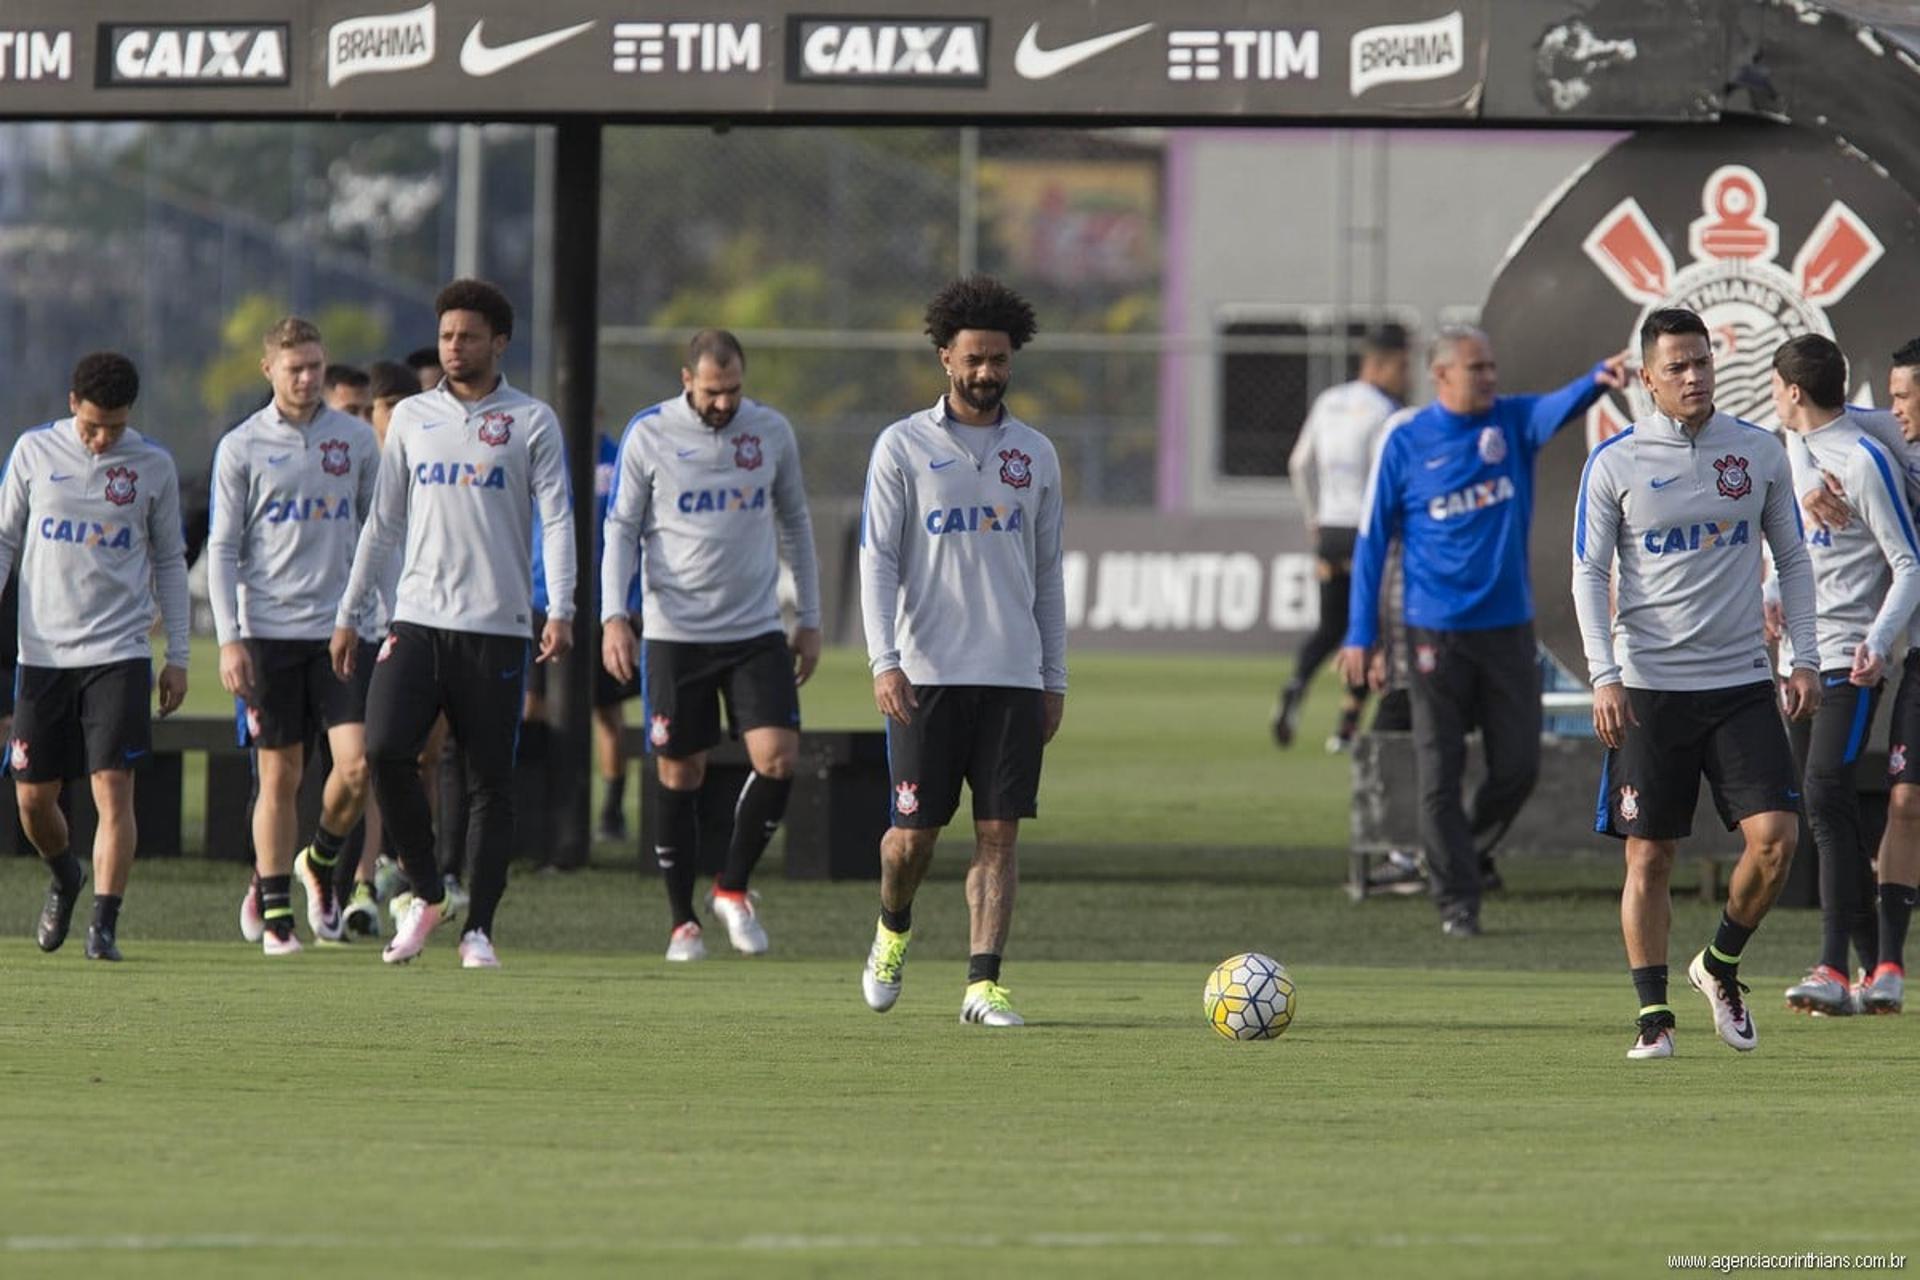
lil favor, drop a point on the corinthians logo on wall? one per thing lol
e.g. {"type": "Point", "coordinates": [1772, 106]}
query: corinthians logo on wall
{"type": "Point", "coordinates": [1766, 231]}
{"type": "Point", "coordinates": [1735, 282]}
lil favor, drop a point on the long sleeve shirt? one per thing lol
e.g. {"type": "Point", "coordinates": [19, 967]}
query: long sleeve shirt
{"type": "Point", "coordinates": [1457, 490]}
{"type": "Point", "coordinates": [1866, 576]}
{"type": "Point", "coordinates": [1681, 514]}
{"type": "Point", "coordinates": [706, 514]}
{"type": "Point", "coordinates": [960, 555]}
{"type": "Point", "coordinates": [97, 540]}
{"type": "Point", "coordinates": [458, 488]}
{"type": "Point", "coordinates": [288, 502]}
{"type": "Point", "coordinates": [1330, 462]}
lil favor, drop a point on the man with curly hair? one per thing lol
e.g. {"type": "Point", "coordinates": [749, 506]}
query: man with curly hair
{"type": "Point", "coordinates": [965, 606]}
{"type": "Point", "coordinates": [465, 469]}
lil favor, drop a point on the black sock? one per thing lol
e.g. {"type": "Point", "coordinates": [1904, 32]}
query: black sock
{"type": "Point", "coordinates": [983, 966]}
{"type": "Point", "coordinates": [1833, 940]}
{"type": "Point", "coordinates": [67, 871]}
{"type": "Point", "coordinates": [614, 801]}
{"type": "Point", "coordinates": [1650, 983]}
{"type": "Point", "coordinates": [1896, 910]}
{"type": "Point", "coordinates": [326, 847]}
{"type": "Point", "coordinates": [346, 870]}
{"type": "Point", "coordinates": [276, 904]}
{"type": "Point", "coordinates": [106, 911]}
{"type": "Point", "coordinates": [756, 815]}
{"type": "Point", "coordinates": [1729, 941]}
{"type": "Point", "coordinates": [899, 921]}
{"type": "Point", "coordinates": [676, 844]}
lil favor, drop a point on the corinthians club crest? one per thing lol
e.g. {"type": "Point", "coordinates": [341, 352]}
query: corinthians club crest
{"type": "Point", "coordinates": [1751, 304]}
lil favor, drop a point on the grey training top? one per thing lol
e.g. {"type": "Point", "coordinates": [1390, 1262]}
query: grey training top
{"type": "Point", "coordinates": [1866, 576]}
{"type": "Point", "coordinates": [1884, 427]}
{"type": "Point", "coordinates": [459, 483]}
{"type": "Point", "coordinates": [960, 561]}
{"type": "Point", "coordinates": [288, 502]}
{"type": "Point", "coordinates": [1682, 515]}
{"type": "Point", "coordinates": [704, 508]}
{"type": "Point", "coordinates": [97, 539]}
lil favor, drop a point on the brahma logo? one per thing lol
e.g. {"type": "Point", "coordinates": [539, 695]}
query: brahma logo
{"type": "Point", "coordinates": [496, 428]}
{"type": "Point", "coordinates": [383, 42]}
{"type": "Point", "coordinates": [1734, 481]}
{"type": "Point", "coordinates": [1629, 804]}
{"type": "Point", "coordinates": [120, 485]}
{"type": "Point", "coordinates": [335, 458]}
{"type": "Point", "coordinates": [1692, 537]}
{"type": "Point", "coordinates": [199, 55]}
{"type": "Point", "coordinates": [746, 452]}
{"type": "Point", "coordinates": [1750, 304]}
{"type": "Point", "coordinates": [1407, 51]}
{"type": "Point", "coordinates": [1016, 468]}
{"type": "Point", "coordinates": [659, 731]}
{"type": "Point", "coordinates": [836, 50]}
{"type": "Point", "coordinates": [906, 799]}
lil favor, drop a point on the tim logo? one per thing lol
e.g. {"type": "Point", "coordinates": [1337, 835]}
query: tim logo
{"type": "Point", "coordinates": [496, 428]}
{"type": "Point", "coordinates": [1016, 468]}
{"type": "Point", "coordinates": [334, 458]}
{"type": "Point", "coordinates": [120, 485]}
{"type": "Point", "coordinates": [906, 799]}
{"type": "Point", "coordinates": [1750, 303]}
{"type": "Point", "coordinates": [1734, 480]}
{"type": "Point", "coordinates": [659, 731]}
{"type": "Point", "coordinates": [746, 452]}
{"type": "Point", "coordinates": [1629, 804]}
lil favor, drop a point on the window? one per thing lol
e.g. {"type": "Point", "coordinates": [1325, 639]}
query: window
{"type": "Point", "coordinates": [1270, 372]}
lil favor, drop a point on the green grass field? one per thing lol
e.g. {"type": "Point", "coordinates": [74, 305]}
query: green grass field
{"type": "Point", "coordinates": [1440, 1108]}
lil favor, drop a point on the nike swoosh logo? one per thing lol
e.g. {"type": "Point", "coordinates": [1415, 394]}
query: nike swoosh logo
{"type": "Point", "coordinates": [510, 673]}
{"type": "Point", "coordinates": [476, 59]}
{"type": "Point", "coordinates": [1834, 682]}
{"type": "Point", "coordinates": [685, 453]}
{"type": "Point", "coordinates": [1035, 63]}
{"type": "Point", "coordinates": [274, 462]}
{"type": "Point", "coordinates": [56, 477]}
{"type": "Point", "coordinates": [1661, 484]}
{"type": "Point", "coordinates": [938, 466]}
{"type": "Point", "coordinates": [1434, 464]}
{"type": "Point", "coordinates": [429, 426]}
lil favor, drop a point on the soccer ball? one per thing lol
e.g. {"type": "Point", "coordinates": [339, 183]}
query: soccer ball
{"type": "Point", "coordinates": [1250, 997]}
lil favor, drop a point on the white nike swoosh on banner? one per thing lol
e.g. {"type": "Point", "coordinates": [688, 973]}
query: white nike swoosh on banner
{"type": "Point", "coordinates": [1035, 63]}
{"type": "Point", "coordinates": [476, 59]}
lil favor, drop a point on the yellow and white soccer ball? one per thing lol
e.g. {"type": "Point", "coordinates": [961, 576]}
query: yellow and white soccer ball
{"type": "Point", "coordinates": [1250, 997]}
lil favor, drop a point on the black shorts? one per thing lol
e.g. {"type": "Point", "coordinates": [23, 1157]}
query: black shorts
{"type": "Point", "coordinates": [478, 680]}
{"type": "Point", "coordinates": [296, 695]}
{"type": "Point", "coordinates": [989, 737]}
{"type": "Point", "coordinates": [1650, 784]}
{"type": "Point", "coordinates": [682, 685]}
{"type": "Point", "coordinates": [1903, 726]}
{"type": "Point", "coordinates": [607, 691]}
{"type": "Point", "coordinates": [77, 720]}
{"type": "Point", "coordinates": [1333, 547]}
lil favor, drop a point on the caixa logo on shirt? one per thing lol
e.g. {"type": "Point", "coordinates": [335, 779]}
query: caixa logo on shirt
{"type": "Point", "coordinates": [1692, 537]}
{"type": "Point", "coordinates": [697, 502]}
{"type": "Point", "coordinates": [463, 474]}
{"type": "Point", "coordinates": [1475, 497]}
{"type": "Point", "coordinates": [87, 533]}
{"type": "Point", "coordinates": [975, 520]}
{"type": "Point", "coordinates": [280, 511]}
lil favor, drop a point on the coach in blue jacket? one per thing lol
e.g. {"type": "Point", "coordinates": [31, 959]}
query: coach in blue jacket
{"type": "Point", "coordinates": [1454, 483]}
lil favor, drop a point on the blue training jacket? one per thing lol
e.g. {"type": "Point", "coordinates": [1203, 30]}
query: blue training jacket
{"type": "Point", "coordinates": [1458, 493]}
{"type": "Point", "coordinates": [607, 459]}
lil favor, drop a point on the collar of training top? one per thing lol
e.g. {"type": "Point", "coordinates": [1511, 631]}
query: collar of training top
{"type": "Point", "coordinates": [502, 390]}
{"type": "Point", "coordinates": [943, 416]}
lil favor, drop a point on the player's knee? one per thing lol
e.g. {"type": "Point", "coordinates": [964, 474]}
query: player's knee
{"type": "Point", "coordinates": [280, 772]}
{"type": "Point", "coordinates": [778, 765]}
{"type": "Point", "coordinates": [1903, 802]}
{"type": "Point", "coordinates": [687, 774]}
{"type": "Point", "coordinates": [354, 773]}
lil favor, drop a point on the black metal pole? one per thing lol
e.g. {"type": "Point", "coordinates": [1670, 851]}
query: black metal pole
{"type": "Point", "coordinates": [576, 336]}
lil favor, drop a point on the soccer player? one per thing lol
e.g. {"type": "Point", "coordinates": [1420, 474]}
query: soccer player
{"type": "Point", "coordinates": [291, 487]}
{"type": "Point", "coordinates": [1676, 651]}
{"type": "Point", "coordinates": [90, 511]}
{"type": "Point", "coordinates": [707, 483]}
{"type": "Point", "coordinates": [425, 363]}
{"type": "Point", "coordinates": [1329, 466]}
{"type": "Point", "coordinates": [1899, 856]}
{"type": "Point", "coordinates": [1866, 585]}
{"type": "Point", "coordinates": [1455, 485]}
{"type": "Point", "coordinates": [350, 391]}
{"type": "Point", "coordinates": [965, 609]}
{"type": "Point", "coordinates": [463, 469]}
